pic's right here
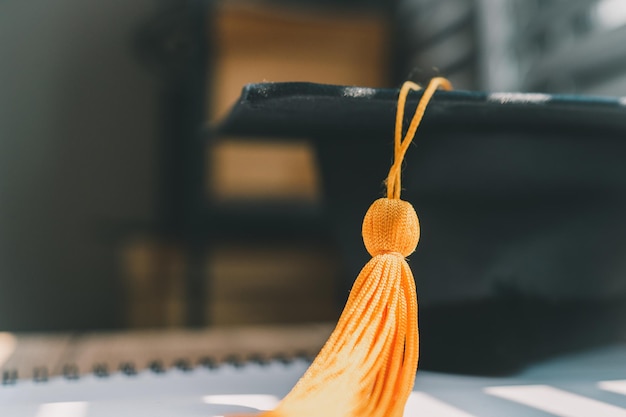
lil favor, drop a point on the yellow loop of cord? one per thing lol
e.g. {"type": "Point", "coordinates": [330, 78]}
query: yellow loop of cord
{"type": "Point", "coordinates": [402, 144]}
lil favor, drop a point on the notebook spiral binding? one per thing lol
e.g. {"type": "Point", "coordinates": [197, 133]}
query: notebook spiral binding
{"type": "Point", "coordinates": [71, 372]}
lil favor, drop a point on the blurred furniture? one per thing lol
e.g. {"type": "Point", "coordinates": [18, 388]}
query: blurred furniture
{"type": "Point", "coordinates": [554, 46]}
{"type": "Point", "coordinates": [172, 46]}
{"type": "Point", "coordinates": [243, 221]}
{"type": "Point", "coordinates": [515, 45]}
{"type": "Point", "coordinates": [273, 41]}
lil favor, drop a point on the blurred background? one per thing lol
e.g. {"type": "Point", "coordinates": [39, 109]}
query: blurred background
{"type": "Point", "coordinates": [119, 208]}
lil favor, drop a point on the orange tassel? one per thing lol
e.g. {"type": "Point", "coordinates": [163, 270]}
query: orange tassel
{"type": "Point", "coordinates": [367, 367]}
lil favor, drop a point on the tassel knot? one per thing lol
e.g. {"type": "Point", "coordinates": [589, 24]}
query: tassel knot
{"type": "Point", "coordinates": [391, 226]}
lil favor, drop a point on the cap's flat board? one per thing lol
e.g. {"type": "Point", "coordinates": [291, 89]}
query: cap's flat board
{"type": "Point", "coordinates": [300, 108]}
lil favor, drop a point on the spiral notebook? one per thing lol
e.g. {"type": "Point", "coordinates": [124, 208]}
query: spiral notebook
{"type": "Point", "coordinates": [591, 384]}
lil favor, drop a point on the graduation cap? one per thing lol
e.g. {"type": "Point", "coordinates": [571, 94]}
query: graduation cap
{"type": "Point", "coordinates": [520, 197]}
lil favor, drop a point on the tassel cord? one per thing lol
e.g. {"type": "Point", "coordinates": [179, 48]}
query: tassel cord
{"type": "Point", "coordinates": [401, 145]}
